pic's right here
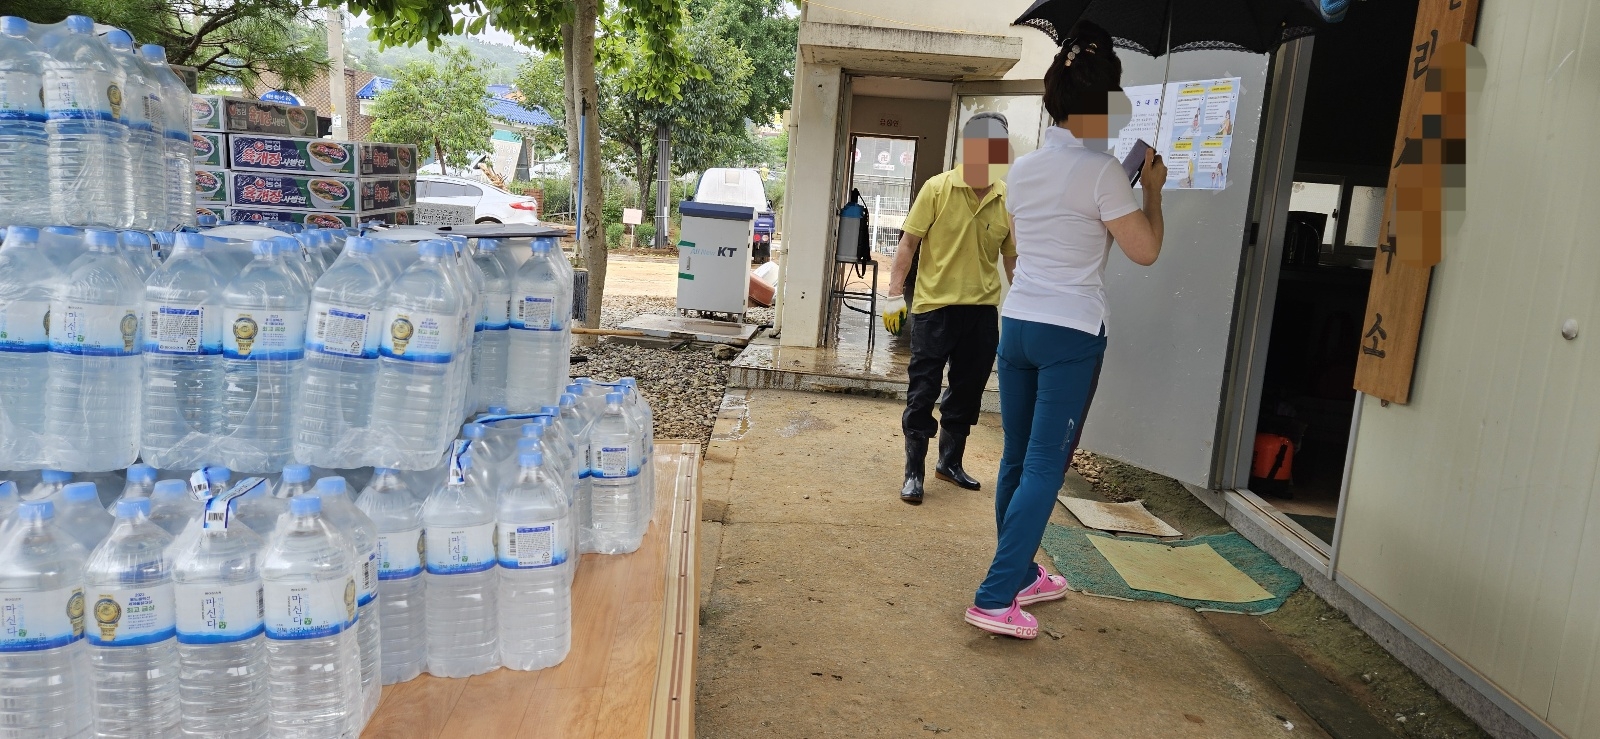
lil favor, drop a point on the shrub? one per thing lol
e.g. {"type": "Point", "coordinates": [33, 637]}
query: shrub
{"type": "Point", "coordinates": [643, 233]}
{"type": "Point", "coordinates": [614, 235]}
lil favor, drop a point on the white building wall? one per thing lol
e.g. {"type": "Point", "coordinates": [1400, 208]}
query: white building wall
{"type": "Point", "coordinates": [1474, 512]}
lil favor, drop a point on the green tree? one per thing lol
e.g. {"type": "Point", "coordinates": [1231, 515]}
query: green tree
{"type": "Point", "coordinates": [541, 80]}
{"type": "Point", "coordinates": [242, 39]}
{"type": "Point", "coordinates": [766, 32]}
{"type": "Point", "coordinates": [437, 105]}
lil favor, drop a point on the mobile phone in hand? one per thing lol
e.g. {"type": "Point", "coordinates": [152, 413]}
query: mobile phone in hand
{"type": "Point", "coordinates": [1133, 164]}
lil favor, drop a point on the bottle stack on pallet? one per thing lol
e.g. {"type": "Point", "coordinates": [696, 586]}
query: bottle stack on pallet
{"type": "Point", "coordinates": [261, 162]}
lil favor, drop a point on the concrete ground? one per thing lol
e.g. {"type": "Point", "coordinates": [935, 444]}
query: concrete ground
{"type": "Point", "coordinates": [833, 609]}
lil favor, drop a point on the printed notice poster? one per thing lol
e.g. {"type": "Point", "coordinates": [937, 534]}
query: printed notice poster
{"type": "Point", "coordinates": [1195, 119]}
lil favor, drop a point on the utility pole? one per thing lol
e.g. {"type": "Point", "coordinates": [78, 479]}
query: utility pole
{"type": "Point", "coordinates": [663, 184]}
{"type": "Point", "coordinates": [337, 95]}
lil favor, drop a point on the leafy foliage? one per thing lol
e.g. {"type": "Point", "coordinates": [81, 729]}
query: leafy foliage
{"type": "Point", "coordinates": [438, 106]}
{"type": "Point", "coordinates": [539, 81]}
{"type": "Point", "coordinates": [767, 34]}
{"type": "Point", "coordinates": [499, 62]}
{"type": "Point", "coordinates": [242, 39]}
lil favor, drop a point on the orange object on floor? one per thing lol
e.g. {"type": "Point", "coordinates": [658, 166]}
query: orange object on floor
{"type": "Point", "coordinates": [1272, 468]}
{"type": "Point", "coordinates": [761, 291]}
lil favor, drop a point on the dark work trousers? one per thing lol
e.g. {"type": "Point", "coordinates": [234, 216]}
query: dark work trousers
{"type": "Point", "coordinates": [964, 339]}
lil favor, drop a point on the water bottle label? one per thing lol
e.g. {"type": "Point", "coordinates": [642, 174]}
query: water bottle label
{"type": "Point", "coordinates": [309, 610]}
{"type": "Point", "coordinates": [131, 616]}
{"type": "Point", "coordinates": [535, 313]}
{"type": "Point", "coordinates": [369, 577]}
{"type": "Point", "coordinates": [343, 332]}
{"type": "Point", "coordinates": [614, 462]}
{"type": "Point", "coordinates": [20, 98]}
{"type": "Point", "coordinates": [588, 462]}
{"type": "Point", "coordinates": [417, 336]}
{"type": "Point", "coordinates": [155, 112]}
{"type": "Point", "coordinates": [400, 555]}
{"type": "Point", "coordinates": [457, 550]}
{"type": "Point", "coordinates": [82, 95]}
{"type": "Point", "coordinates": [218, 614]}
{"type": "Point", "coordinates": [496, 312]}
{"type": "Point", "coordinates": [182, 329]}
{"type": "Point", "coordinates": [263, 334]}
{"type": "Point", "coordinates": [24, 326]}
{"type": "Point", "coordinates": [30, 622]}
{"type": "Point", "coordinates": [93, 330]}
{"type": "Point", "coordinates": [136, 110]}
{"type": "Point", "coordinates": [531, 546]}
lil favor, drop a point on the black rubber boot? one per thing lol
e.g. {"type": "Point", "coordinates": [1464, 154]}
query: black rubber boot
{"type": "Point", "coordinates": [916, 456]}
{"type": "Point", "coordinates": [951, 447]}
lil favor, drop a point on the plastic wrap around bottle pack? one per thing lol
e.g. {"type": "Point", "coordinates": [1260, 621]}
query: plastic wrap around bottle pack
{"type": "Point", "coordinates": [22, 139]}
{"type": "Point", "coordinates": [178, 160]}
{"type": "Point", "coordinates": [88, 142]}
{"type": "Point", "coordinates": [263, 349]}
{"type": "Point", "coordinates": [333, 415]}
{"type": "Point", "coordinates": [421, 352]}
{"type": "Point", "coordinates": [144, 116]}
{"type": "Point", "coordinates": [183, 374]}
{"type": "Point", "coordinates": [27, 281]}
{"type": "Point", "coordinates": [541, 304]}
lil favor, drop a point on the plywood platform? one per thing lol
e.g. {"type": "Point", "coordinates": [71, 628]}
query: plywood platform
{"type": "Point", "coordinates": [631, 670]}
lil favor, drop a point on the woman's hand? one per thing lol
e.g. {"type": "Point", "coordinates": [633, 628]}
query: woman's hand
{"type": "Point", "coordinates": [1153, 176]}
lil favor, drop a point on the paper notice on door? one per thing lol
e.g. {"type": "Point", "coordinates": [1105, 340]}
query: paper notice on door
{"type": "Point", "coordinates": [1195, 119]}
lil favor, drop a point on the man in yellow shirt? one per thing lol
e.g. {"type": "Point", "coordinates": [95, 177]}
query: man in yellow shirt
{"type": "Point", "coordinates": [956, 233]}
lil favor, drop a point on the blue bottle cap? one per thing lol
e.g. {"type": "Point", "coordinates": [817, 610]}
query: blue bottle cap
{"type": "Point", "coordinates": [216, 475]}
{"type": "Point", "coordinates": [613, 398]}
{"type": "Point", "coordinates": [187, 240]}
{"type": "Point", "coordinates": [472, 430]}
{"type": "Point", "coordinates": [541, 246]}
{"type": "Point", "coordinates": [263, 247]}
{"type": "Point", "coordinates": [533, 429]}
{"type": "Point", "coordinates": [136, 239]}
{"type": "Point", "coordinates": [551, 410]}
{"type": "Point", "coordinates": [206, 220]}
{"type": "Point", "coordinates": [488, 244]}
{"type": "Point", "coordinates": [120, 40]}
{"type": "Point", "coordinates": [37, 510]}
{"type": "Point", "coordinates": [385, 471]}
{"type": "Point", "coordinates": [129, 508]}
{"type": "Point", "coordinates": [11, 25]}
{"type": "Point", "coordinates": [54, 476]}
{"type": "Point", "coordinates": [305, 505]}
{"type": "Point", "coordinates": [357, 244]}
{"type": "Point", "coordinates": [18, 235]}
{"type": "Point", "coordinates": [530, 459]}
{"type": "Point", "coordinates": [141, 473]}
{"type": "Point", "coordinates": [80, 24]}
{"type": "Point", "coordinates": [575, 390]}
{"type": "Point", "coordinates": [102, 239]}
{"type": "Point", "coordinates": [8, 489]}
{"type": "Point", "coordinates": [153, 53]}
{"type": "Point", "coordinates": [296, 473]}
{"type": "Point", "coordinates": [170, 489]}
{"type": "Point", "coordinates": [334, 485]}
{"type": "Point", "coordinates": [80, 491]}
{"type": "Point", "coordinates": [568, 400]}
{"type": "Point", "coordinates": [62, 231]}
{"type": "Point", "coordinates": [435, 249]}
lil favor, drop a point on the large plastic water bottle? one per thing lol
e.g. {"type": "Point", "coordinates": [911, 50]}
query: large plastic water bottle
{"type": "Point", "coordinates": [263, 346]}
{"type": "Point", "coordinates": [145, 118]}
{"type": "Point", "coordinates": [310, 602]}
{"type": "Point", "coordinates": [179, 147]}
{"type": "Point", "coordinates": [136, 247]}
{"type": "Point", "coordinates": [261, 510]}
{"type": "Point", "coordinates": [419, 343]}
{"type": "Point", "coordinates": [133, 655]}
{"type": "Point", "coordinates": [183, 376]}
{"type": "Point", "coordinates": [397, 514]}
{"type": "Point", "coordinates": [63, 244]}
{"type": "Point", "coordinates": [9, 500]}
{"type": "Point", "coordinates": [27, 277]}
{"type": "Point", "coordinates": [537, 553]}
{"type": "Point", "coordinates": [88, 144]}
{"type": "Point", "coordinates": [539, 324]}
{"type": "Point", "coordinates": [91, 415]}
{"type": "Point", "coordinates": [580, 428]}
{"type": "Point", "coordinates": [470, 280]}
{"type": "Point", "coordinates": [342, 336]}
{"type": "Point", "coordinates": [222, 672]}
{"type": "Point", "coordinates": [615, 499]}
{"type": "Point", "coordinates": [459, 549]}
{"type": "Point", "coordinates": [289, 252]}
{"type": "Point", "coordinates": [172, 507]}
{"type": "Point", "coordinates": [43, 666]}
{"type": "Point", "coordinates": [492, 343]}
{"type": "Point", "coordinates": [22, 139]}
{"type": "Point", "coordinates": [81, 515]}
{"type": "Point", "coordinates": [483, 469]}
{"type": "Point", "coordinates": [356, 526]}
{"type": "Point", "coordinates": [639, 414]}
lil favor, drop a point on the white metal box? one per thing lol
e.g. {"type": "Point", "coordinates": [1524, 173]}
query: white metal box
{"type": "Point", "coordinates": [714, 257]}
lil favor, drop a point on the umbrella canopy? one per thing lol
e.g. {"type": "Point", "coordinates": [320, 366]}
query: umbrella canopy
{"type": "Point", "coordinates": [1257, 26]}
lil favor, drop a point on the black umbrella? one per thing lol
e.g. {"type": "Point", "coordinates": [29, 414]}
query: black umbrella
{"type": "Point", "coordinates": [1155, 27]}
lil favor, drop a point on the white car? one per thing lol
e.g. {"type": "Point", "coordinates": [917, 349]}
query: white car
{"type": "Point", "coordinates": [492, 205]}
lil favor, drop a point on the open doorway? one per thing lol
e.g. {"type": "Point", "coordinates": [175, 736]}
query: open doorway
{"type": "Point", "coordinates": [882, 171]}
{"type": "Point", "coordinates": [1335, 212]}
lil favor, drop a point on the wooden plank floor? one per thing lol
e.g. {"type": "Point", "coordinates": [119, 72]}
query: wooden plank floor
{"type": "Point", "coordinates": [631, 669]}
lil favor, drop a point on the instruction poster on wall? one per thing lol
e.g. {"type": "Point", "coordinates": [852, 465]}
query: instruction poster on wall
{"type": "Point", "coordinates": [1195, 120]}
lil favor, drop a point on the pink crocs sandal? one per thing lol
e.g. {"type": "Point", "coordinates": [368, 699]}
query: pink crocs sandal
{"type": "Point", "coordinates": [1014, 622]}
{"type": "Point", "coordinates": [1045, 587]}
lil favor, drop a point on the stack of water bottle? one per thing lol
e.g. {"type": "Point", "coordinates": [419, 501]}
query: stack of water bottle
{"type": "Point", "coordinates": [223, 610]}
{"type": "Point", "coordinates": [93, 131]}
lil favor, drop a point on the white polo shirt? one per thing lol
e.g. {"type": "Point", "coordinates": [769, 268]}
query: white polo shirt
{"type": "Point", "coordinates": [1060, 196]}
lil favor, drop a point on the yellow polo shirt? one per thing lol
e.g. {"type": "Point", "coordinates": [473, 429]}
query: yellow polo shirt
{"type": "Point", "coordinates": [962, 240]}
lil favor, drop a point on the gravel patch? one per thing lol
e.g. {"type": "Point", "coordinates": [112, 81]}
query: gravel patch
{"type": "Point", "coordinates": [683, 386]}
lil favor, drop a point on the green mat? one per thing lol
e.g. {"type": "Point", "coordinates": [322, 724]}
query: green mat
{"type": "Point", "coordinates": [1087, 571]}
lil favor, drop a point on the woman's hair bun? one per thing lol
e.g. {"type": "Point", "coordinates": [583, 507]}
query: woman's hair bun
{"type": "Point", "coordinates": [1084, 70]}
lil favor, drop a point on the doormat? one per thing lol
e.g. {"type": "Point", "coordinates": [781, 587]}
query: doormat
{"type": "Point", "coordinates": [1319, 526]}
{"type": "Point", "coordinates": [1131, 517]}
{"type": "Point", "coordinates": [1088, 571]}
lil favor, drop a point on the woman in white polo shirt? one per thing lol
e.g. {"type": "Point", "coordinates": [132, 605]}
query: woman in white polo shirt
{"type": "Point", "coordinates": [1067, 203]}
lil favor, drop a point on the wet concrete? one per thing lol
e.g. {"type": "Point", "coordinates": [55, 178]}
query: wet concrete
{"type": "Point", "coordinates": [833, 609]}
